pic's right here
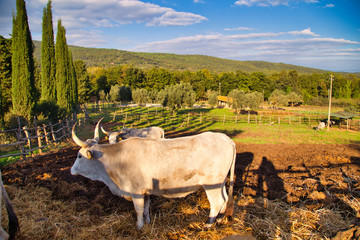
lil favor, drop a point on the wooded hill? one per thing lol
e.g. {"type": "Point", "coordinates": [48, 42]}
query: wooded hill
{"type": "Point", "coordinates": [111, 57]}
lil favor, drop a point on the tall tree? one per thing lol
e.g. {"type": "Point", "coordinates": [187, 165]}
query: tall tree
{"type": "Point", "coordinates": [73, 87]}
{"type": "Point", "coordinates": [48, 67]}
{"type": "Point", "coordinates": [61, 55]}
{"type": "Point", "coordinates": [64, 71]}
{"type": "Point", "coordinates": [5, 77]}
{"type": "Point", "coordinates": [83, 81]}
{"type": "Point", "coordinates": [23, 78]}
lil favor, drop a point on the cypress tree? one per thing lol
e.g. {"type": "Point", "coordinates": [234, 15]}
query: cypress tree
{"type": "Point", "coordinates": [72, 83]}
{"type": "Point", "coordinates": [5, 77]}
{"type": "Point", "coordinates": [23, 78]}
{"type": "Point", "coordinates": [83, 81]}
{"type": "Point", "coordinates": [62, 70]}
{"type": "Point", "coordinates": [48, 68]}
{"type": "Point", "coordinates": [66, 83]}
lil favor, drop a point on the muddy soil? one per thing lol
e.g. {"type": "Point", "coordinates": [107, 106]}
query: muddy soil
{"type": "Point", "coordinates": [305, 174]}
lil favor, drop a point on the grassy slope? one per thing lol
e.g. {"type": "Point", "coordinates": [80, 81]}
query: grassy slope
{"type": "Point", "coordinates": [248, 133]}
{"type": "Point", "coordinates": [113, 57]}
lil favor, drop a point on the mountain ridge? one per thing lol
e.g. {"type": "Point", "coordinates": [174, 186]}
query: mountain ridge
{"type": "Point", "coordinates": [103, 57]}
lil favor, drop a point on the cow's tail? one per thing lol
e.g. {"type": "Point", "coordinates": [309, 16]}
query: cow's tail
{"type": "Point", "coordinates": [230, 203]}
{"type": "Point", "coordinates": [13, 220]}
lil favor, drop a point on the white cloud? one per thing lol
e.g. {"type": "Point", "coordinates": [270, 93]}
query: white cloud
{"type": "Point", "coordinates": [268, 3]}
{"type": "Point", "coordinates": [239, 29]}
{"type": "Point", "coordinates": [173, 18]}
{"type": "Point", "coordinates": [90, 38]}
{"type": "Point", "coordinates": [275, 47]}
{"type": "Point", "coordinates": [81, 17]}
{"type": "Point", "coordinates": [109, 13]}
{"type": "Point", "coordinates": [329, 5]}
{"type": "Point", "coordinates": [304, 32]}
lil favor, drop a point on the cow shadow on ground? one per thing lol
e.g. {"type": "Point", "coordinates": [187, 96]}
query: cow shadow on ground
{"type": "Point", "coordinates": [265, 185]}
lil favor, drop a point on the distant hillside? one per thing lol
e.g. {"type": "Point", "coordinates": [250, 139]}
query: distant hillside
{"type": "Point", "coordinates": [112, 57]}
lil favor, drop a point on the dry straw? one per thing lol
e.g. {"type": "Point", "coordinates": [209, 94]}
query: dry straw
{"type": "Point", "coordinates": [42, 217]}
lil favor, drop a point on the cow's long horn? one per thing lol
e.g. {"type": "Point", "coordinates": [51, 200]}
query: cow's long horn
{"type": "Point", "coordinates": [96, 133]}
{"type": "Point", "coordinates": [76, 139]}
{"type": "Point", "coordinates": [103, 130]}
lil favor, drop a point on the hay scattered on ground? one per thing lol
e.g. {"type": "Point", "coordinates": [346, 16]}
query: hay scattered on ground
{"type": "Point", "coordinates": [42, 217]}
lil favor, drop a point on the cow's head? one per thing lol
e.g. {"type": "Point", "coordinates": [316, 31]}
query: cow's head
{"type": "Point", "coordinates": [113, 137]}
{"type": "Point", "coordinates": [86, 155]}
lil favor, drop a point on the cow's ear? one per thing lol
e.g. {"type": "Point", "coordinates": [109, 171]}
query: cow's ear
{"type": "Point", "coordinates": [89, 154]}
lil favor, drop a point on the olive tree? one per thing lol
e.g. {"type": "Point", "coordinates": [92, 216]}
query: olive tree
{"type": "Point", "coordinates": [115, 93]}
{"type": "Point", "coordinates": [212, 98]}
{"type": "Point", "coordinates": [278, 97]}
{"type": "Point", "coordinates": [237, 99]}
{"type": "Point", "coordinates": [177, 96]}
{"type": "Point", "coordinates": [140, 96]}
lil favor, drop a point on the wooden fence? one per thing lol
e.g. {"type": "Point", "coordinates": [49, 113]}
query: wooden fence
{"type": "Point", "coordinates": [130, 115]}
{"type": "Point", "coordinates": [30, 139]}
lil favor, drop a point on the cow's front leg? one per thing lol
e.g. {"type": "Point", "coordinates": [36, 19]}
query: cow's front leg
{"type": "Point", "coordinates": [139, 208]}
{"type": "Point", "coordinates": [147, 209]}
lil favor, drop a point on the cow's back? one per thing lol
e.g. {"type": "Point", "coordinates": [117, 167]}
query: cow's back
{"type": "Point", "coordinates": [171, 167]}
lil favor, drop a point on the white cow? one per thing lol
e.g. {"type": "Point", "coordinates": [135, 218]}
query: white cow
{"type": "Point", "coordinates": [137, 167]}
{"type": "Point", "coordinates": [321, 126]}
{"type": "Point", "coordinates": [125, 133]}
{"type": "Point", "coordinates": [13, 220]}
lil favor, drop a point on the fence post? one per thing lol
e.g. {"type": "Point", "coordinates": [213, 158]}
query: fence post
{"type": "Point", "coordinates": [46, 135]}
{"type": "Point", "coordinates": [188, 119]}
{"type": "Point", "coordinates": [200, 117]}
{"type": "Point", "coordinates": [62, 125]}
{"type": "Point", "coordinates": [28, 139]}
{"type": "Point", "coordinates": [68, 127]}
{"type": "Point", "coordinates": [38, 133]}
{"type": "Point", "coordinates": [279, 120]}
{"type": "Point", "coordinates": [248, 117]}
{"type": "Point", "coordinates": [236, 116]}
{"type": "Point", "coordinates": [114, 116]}
{"type": "Point", "coordinates": [18, 136]}
{"type": "Point", "coordinates": [52, 133]}
{"type": "Point", "coordinates": [224, 119]}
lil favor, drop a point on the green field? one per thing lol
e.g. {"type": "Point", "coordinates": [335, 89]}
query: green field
{"type": "Point", "coordinates": [188, 120]}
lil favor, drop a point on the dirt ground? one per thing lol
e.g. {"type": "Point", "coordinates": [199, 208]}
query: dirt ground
{"type": "Point", "coordinates": [308, 175]}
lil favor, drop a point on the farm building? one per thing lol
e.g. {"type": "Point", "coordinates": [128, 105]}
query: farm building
{"type": "Point", "coordinates": [224, 101]}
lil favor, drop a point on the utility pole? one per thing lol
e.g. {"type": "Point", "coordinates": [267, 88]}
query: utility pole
{"type": "Point", "coordinates": [330, 93]}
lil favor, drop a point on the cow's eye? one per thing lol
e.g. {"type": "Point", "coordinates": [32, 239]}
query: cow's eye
{"type": "Point", "coordinates": [79, 156]}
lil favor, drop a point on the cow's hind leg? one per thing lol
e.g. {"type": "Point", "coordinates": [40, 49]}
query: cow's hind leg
{"type": "Point", "coordinates": [221, 214]}
{"type": "Point", "coordinates": [139, 208]}
{"type": "Point", "coordinates": [147, 209]}
{"type": "Point", "coordinates": [217, 198]}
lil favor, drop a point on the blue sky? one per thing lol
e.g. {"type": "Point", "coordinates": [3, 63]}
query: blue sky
{"type": "Point", "coordinates": [322, 34]}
